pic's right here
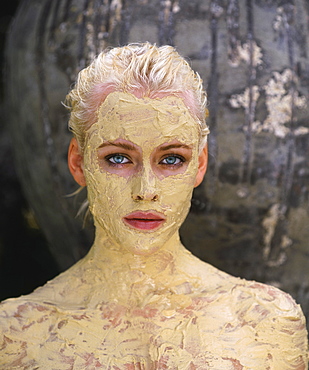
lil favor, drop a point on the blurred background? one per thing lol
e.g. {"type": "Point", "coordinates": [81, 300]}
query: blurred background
{"type": "Point", "coordinates": [25, 260]}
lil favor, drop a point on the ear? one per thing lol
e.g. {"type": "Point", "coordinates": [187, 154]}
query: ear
{"type": "Point", "coordinates": [202, 166]}
{"type": "Point", "coordinates": [75, 163]}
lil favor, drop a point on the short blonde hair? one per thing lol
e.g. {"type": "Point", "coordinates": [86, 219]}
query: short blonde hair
{"type": "Point", "coordinates": [143, 69]}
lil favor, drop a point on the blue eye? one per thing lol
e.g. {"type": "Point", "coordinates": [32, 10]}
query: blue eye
{"type": "Point", "coordinates": [172, 160]}
{"type": "Point", "coordinates": [118, 159]}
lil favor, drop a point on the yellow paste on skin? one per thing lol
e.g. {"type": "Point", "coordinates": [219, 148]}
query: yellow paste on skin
{"type": "Point", "coordinates": [148, 123]}
{"type": "Point", "coordinates": [139, 299]}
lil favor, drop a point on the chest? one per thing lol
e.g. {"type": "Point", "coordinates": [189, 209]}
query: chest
{"type": "Point", "coordinates": [203, 335]}
{"type": "Point", "coordinates": [113, 338]}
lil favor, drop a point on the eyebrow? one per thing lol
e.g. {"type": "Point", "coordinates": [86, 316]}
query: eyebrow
{"type": "Point", "coordinates": [173, 146]}
{"type": "Point", "coordinates": [126, 146]}
{"type": "Point", "coordinates": [129, 146]}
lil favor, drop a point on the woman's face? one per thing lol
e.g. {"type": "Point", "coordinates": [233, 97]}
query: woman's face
{"type": "Point", "coordinates": [140, 166]}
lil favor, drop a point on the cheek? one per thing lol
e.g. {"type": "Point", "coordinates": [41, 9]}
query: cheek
{"type": "Point", "coordinates": [177, 191]}
{"type": "Point", "coordinates": [107, 191]}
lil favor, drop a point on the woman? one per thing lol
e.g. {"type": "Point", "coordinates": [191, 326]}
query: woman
{"type": "Point", "coordinates": [139, 299]}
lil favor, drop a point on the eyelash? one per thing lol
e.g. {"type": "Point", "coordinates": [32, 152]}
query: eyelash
{"type": "Point", "coordinates": [182, 160]}
{"type": "Point", "coordinates": [114, 164]}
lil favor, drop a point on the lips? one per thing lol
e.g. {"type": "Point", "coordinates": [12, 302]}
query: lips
{"type": "Point", "coordinates": [144, 220]}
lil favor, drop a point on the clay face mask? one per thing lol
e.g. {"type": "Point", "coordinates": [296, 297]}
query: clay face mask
{"type": "Point", "coordinates": [140, 164]}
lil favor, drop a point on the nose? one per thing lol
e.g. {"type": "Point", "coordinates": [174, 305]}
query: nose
{"type": "Point", "coordinates": [144, 186]}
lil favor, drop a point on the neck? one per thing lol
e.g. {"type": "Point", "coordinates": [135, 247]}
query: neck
{"type": "Point", "coordinates": [132, 279]}
{"type": "Point", "coordinates": [107, 254]}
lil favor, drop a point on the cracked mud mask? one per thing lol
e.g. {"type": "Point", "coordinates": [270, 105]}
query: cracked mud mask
{"type": "Point", "coordinates": [140, 165]}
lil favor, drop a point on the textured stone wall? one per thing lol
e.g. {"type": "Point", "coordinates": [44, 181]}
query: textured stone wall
{"type": "Point", "coordinates": [250, 217]}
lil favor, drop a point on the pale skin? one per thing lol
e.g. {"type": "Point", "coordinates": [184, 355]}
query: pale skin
{"type": "Point", "coordinates": [151, 306]}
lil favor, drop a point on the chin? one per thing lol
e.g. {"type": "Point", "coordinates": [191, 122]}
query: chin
{"type": "Point", "coordinates": [138, 242]}
{"type": "Point", "coordinates": [144, 246]}
{"type": "Point", "coordinates": [143, 251]}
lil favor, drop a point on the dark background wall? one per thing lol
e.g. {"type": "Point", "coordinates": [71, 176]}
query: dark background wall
{"type": "Point", "coordinates": [25, 260]}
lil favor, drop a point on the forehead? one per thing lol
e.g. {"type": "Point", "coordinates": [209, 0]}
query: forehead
{"type": "Point", "coordinates": [141, 121]}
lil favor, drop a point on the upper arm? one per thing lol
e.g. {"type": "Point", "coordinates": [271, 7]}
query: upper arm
{"type": "Point", "coordinates": [13, 335]}
{"type": "Point", "coordinates": [12, 349]}
{"type": "Point", "coordinates": [284, 329]}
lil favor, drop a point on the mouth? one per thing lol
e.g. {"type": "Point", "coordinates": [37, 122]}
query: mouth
{"type": "Point", "coordinates": [144, 220]}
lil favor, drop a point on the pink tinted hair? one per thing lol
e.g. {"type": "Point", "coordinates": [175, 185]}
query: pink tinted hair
{"type": "Point", "coordinates": [142, 69]}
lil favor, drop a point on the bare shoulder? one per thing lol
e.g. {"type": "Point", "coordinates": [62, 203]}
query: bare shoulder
{"type": "Point", "coordinates": [251, 296]}
{"type": "Point", "coordinates": [265, 319]}
{"type": "Point", "coordinates": [21, 319]}
{"type": "Point", "coordinates": [19, 314]}
{"type": "Point", "coordinates": [272, 304]}
{"type": "Point", "coordinates": [280, 322]}
{"type": "Point", "coordinates": [27, 321]}
{"type": "Point", "coordinates": [264, 302]}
